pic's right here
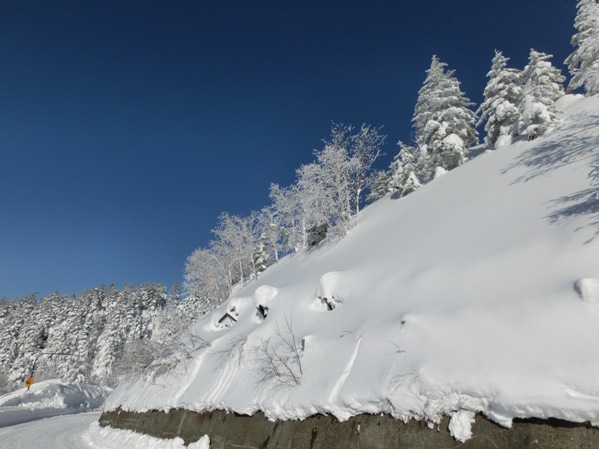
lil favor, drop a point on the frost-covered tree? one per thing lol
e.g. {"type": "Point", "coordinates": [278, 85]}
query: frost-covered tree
{"type": "Point", "coordinates": [503, 96]}
{"type": "Point", "coordinates": [443, 123]}
{"type": "Point", "coordinates": [365, 149]}
{"type": "Point", "coordinates": [208, 277]}
{"type": "Point", "coordinates": [583, 62]}
{"type": "Point", "coordinates": [237, 239]}
{"type": "Point", "coordinates": [316, 209]}
{"type": "Point", "coordinates": [271, 228]}
{"type": "Point", "coordinates": [543, 85]}
{"type": "Point", "coordinates": [334, 168]}
{"type": "Point", "coordinates": [290, 209]}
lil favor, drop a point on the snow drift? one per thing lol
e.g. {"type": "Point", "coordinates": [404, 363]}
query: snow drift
{"type": "Point", "coordinates": [476, 293]}
{"type": "Point", "coordinates": [49, 398]}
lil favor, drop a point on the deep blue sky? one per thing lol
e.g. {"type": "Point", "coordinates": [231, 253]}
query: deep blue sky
{"type": "Point", "coordinates": [127, 127]}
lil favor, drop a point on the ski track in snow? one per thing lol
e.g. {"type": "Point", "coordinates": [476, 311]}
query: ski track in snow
{"type": "Point", "coordinates": [223, 382]}
{"type": "Point", "coordinates": [196, 368]}
{"type": "Point", "coordinates": [334, 396]}
{"type": "Point", "coordinates": [576, 394]}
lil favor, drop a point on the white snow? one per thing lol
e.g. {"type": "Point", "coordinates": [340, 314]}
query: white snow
{"type": "Point", "coordinates": [49, 398]}
{"type": "Point", "coordinates": [460, 425]}
{"type": "Point", "coordinates": [77, 429]}
{"type": "Point", "coordinates": [82, 431]}
{"type": "Point", "coordinates": [588, 289]}
{"type": "Point", "coordinates": [264, 295]}
{"type": "Point", "coordinates": [109, 438]}
{"type": "Point", "coordinates": [461, 297]}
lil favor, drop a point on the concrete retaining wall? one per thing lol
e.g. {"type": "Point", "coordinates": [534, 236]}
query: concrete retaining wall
{"type": "Point", "coordinates": [232, 431]}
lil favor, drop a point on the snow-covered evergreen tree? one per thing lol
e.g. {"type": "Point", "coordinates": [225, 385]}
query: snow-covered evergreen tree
{"type": "Point", "coordinates": [9, 333]}
{"type": "Point", "coordinates": [443, 122]}
{"type": "Point", "coordinates": [543, 85]}
{"type": "Point", "coordinates": [260, 256]}
{"type": "Point", "coordinates": [404, 170]}
{"type": "Point", "coordinates": [583, 62]}
{"type": "Point", "coordinates": [27, 342]}
{"type": "Point", "coordinates": [380, 186]}
{"type": "Point", "coordinates": [503, 96]}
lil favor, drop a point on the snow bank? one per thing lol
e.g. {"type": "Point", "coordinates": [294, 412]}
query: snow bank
{"type": "Point", "coordinates": [462, 301]}
{"type": "Point", "coordinates": [109, 438]}
{"type": "Point", "coordinates": [49, 398]}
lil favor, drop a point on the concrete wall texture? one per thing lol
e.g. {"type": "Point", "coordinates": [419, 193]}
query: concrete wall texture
{"type": "Point", "coordinates": [232, 431]}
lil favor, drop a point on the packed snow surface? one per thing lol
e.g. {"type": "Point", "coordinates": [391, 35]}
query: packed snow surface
{"type": "Point", "coordinates": [82, 431]}
{"type": "Point", "coordinates": [476, 293]}
{"type": "Point", "coordinates": [49, 398]}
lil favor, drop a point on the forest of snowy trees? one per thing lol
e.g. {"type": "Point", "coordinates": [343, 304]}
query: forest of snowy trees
{"type": "Point", "coordinates": [103, 333]}
{"type": "Point", "coordinates": [87, 337]}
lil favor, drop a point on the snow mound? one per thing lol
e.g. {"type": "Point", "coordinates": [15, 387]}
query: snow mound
{"type": "Point", "coordinates": [460, 425]}
{"type": "Point", "coordinates": [49, 398]}
{"type": "Point", "coordinates": [588, 290]}
{"type": "Point", "coordinates": [332, 291]}
{"type": "Point", "coordinates": [264, 295]}
{"type": "Point", "coordinates": [110, 438]}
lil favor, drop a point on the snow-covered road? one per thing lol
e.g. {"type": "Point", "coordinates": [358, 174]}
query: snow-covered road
{"type": "Point", "coordinates": [60, 432]}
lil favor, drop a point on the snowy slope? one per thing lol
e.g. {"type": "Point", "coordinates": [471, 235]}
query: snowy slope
{"type": "Point", "coordinates": [476, 293]}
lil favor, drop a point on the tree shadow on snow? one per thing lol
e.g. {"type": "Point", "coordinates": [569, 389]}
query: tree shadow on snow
{"type": "Point", "coordinates": [579, 204]}
{"type": "Point", "coordinates": [558, 149]}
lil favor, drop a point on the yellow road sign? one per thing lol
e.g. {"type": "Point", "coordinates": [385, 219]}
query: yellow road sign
{"type": "Point", "coordinates": [29, 382]}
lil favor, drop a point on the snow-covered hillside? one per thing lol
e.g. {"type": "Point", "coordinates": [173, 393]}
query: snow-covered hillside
{"type": "Point", "coordinates": [477, 293]}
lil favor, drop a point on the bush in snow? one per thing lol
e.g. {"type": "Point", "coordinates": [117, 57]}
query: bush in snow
{"type": "Point", "coordinates": [278, 359]}
{"type": "Point", "coordinates": [153, 357]}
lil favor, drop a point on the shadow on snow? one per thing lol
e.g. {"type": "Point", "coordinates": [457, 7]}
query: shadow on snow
{"type": "Point", "coordinates": [558, 149]}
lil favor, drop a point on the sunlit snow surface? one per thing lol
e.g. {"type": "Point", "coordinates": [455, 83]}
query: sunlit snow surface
{"type": "Point", "coordinates": [49, 398]}
{"type": "Point", "coordinates": [476, 293]}
{"type": "Point", "coordinates": [28, 419]}
{"type": "Point", "coordinates": [81, 431]}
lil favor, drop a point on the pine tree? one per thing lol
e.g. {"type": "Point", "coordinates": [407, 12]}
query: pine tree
{"type": "Point", "coordinates": [443, 122]}
{"type": "Point", "coordinates": [404, 169]}
{"type": "Point", "coordinates": [583, 62]}
{"type": "Point", "coordinates": [260, 255]}
{"type": "Point", "coordinates": [543, 85]}
{"type": "Point", "coordinates": [503, 96]}
{"type": "Point", "coordinates": [380, 186]}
